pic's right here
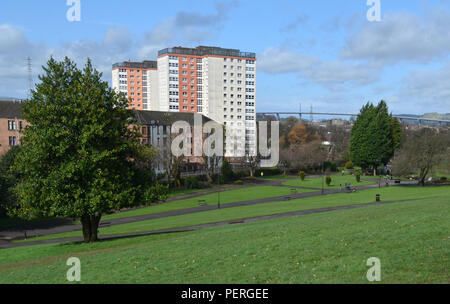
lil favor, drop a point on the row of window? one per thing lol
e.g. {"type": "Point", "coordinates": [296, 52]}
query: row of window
{"type": "Point", "coordinates": [239, 82]}
{"type": "Point", "coordinates": [232, 117]}
{"type": "Point", "coordinates": [239, 89]}
{"type": "Point", "coordinates": [239, 67]}
{"type": "Point", "coordinates": [13, 141]}
{"type": "Point", "coordinates": [12, 125]}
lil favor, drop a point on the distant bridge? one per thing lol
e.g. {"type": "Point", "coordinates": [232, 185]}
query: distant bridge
{"type": "Point", "coordinates": [401, 118]}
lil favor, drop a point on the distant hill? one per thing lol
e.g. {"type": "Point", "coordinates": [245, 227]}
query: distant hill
{"type": "Point", "coordinates": [429, 116]}
{"type": "Point", "coordinates": [437, 116]}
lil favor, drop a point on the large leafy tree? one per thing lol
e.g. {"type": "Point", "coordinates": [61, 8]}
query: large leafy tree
{"type": "Point", "coordinates": [79, 153]}
{"type": "Point", "coordinates": [7, 180]}
{"type": "Point", "coordinates": [375, 136]}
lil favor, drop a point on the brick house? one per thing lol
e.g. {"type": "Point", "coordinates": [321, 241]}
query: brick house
{"type": "Point", "coordinates": [11, 124]}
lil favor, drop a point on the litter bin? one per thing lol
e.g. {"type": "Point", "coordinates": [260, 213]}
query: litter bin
{"type": "Point", "coordinates": [378, 198]}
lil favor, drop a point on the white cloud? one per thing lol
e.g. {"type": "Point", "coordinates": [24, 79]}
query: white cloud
{"type": "Point", "coordinates": [276, 61]}
{"type": "Point", "coordinates": [340, 72]}
{"type": "Point", "coordinates": [187, 28]}
{"type": "Point", "coordinates": [402, 37]}
{"type": "Point", "coordinates": [427, 88]}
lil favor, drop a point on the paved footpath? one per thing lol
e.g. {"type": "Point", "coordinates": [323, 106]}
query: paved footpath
{"type": "Point", "coordinates": [15, 234]}
{"type": "Point", "coordinates": [6, 245]}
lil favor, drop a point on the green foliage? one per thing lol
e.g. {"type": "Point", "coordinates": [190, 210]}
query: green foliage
{"type": "Point", "coordinates": [239, 182]}
{"type": "Point", "coordinates": [226, 171]}
{"type": "Point", "coordinates": [8, 180]}
{"type": "Point", "coordinates": [349, 165]}
{"type": "Point", "coordinates": [328, 180]}
{"type": "Point", "coordinates": [268, 171]}
{"type": "Point", "coordinates": [302, 175]}
{"type": "Point", "coordinates": [192, 182]}
{"type": "Point", "coordinates": [79, 154]}
{"type": "Point", "coordinates": [396, 130]}
{"type": "Point", "coordinates": [330, 166]}
{"type": "Point", "coordinates": [156, 193]}
{"type": "Point", "coordinates": [358, 176]}
{"type": "Point", "coordinates": [375, 136]}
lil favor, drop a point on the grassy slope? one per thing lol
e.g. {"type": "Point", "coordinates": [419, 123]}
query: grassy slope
{"type": "Point", "coordinates": [367, 196]}
{"type": "Point", "coordinates": [226, 197]}
{"type": "Point", "coordinates": [335, 181]}
{"type": "Point", "coordinates": [410, 239]}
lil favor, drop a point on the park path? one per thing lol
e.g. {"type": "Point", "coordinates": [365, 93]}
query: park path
{"type": "Point", "coordinates": [63, 227]}
{"type": "Point", "coordinates": [6, 245]}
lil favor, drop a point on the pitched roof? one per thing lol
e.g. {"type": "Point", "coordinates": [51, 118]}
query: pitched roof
{"type": "Point", "coordinates": [165, 118]}
{"type": "Point", "coordinates": [10, 109]}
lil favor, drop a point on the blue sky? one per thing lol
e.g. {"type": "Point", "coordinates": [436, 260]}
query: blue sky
{"type": "Point", "coordinates": [322, 53]}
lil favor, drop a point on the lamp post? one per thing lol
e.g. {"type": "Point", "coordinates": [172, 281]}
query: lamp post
{"type": "Point", "coordinates": [218, 184]}
{"type": "Point", "coordinates": [322, 178]}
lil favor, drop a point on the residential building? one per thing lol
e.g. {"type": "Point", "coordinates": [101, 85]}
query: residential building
{"type": "Point", "coordinates": [156, 130]}
{"type": "Point", "coordinates": [139, 82]}
{"type": "Point", "coordinates": [218, 83]}
{"type": "Point", "coordinates": [11, 124]}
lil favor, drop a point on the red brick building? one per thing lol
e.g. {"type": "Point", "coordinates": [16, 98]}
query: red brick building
{"type": "Point", "coordinates": [11, 124]}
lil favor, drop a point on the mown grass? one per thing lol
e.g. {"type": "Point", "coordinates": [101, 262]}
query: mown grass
{"type": "Point", "coordinates": [337, 181]}
{"type": "Point", "coordinates": [361, 197]}
{"type": "Point", "coordinates": [411, 240]}
{"type": "Point", "coordinates": [275, 177]}
{"type": "Point", "coordinates": [226, 197]}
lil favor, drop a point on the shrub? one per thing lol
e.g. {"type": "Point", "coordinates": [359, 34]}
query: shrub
{"type": "Point", "coordinates": [227, 171]}
{"type": "Point", "coordinates": [239, 182]}
{"type": "Point", "coordinates": [330, 166]}
{"type": "Point", "coordinates": [349, 165]}
{"type": "Point", "coordinates": [358, 176]}
{"type": "Point", "coordinates": [268, 171]}
{"type": "Point", "coordinates": [302, 175]}
{"type": "Point", "coordinates": [191, 182]}
{"type": "Point", "coordinates": [328, 180]}
{"type": "Point", "coordinates": [156, 193]}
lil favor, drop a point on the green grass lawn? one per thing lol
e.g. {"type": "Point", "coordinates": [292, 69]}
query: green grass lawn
{"type": "Point", "coordinates": [360, 197]}
{"type": "Point", "coordinates": [275, 177]}
{"type": "Point", "coordinates": [411, 240]}
{"type": "Point", "coordinates": [226, 197]}
{"type": "Point", "coordinates": [336, 180]}
{"type": "Point", "coordinates": [179, 192]}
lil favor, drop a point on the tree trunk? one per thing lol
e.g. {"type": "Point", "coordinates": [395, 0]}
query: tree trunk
{"type": "Point", "coordinates": [422, 176]}
{"type": "Point", "coordinates": [90, 225]}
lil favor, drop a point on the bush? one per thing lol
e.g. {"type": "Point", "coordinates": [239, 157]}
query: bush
{"type": "Point", "coordinates": [358, 176]}
{"type": "Point", "coordinates": [268, 171]}
{"type": "Point", "coordinates": [330, 166]}
{"type": "Point", "coordinates": [227, 171]}
{"type": "Point", "coordinates": [302, 175]}
{"type": "Point", "coordinates": [239, 182]}
{"type": "Point", "coordinates": [156, 193]}
{"type": "Point", "coordinates": [443, 179]}
{"type": "Point", "coordinates": [191, 182]}
{"type": "Point", "coordinates": [349, 165]}
{"type": "Point", "coordinates": [328, 180]}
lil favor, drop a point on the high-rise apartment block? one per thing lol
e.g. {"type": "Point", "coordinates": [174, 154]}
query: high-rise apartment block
{"type": "Point", "coordinates": [218, 83]}
{"type": "Point", "coordinates": [139, 81]}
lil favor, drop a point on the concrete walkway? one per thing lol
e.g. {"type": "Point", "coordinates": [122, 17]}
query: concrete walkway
{"type": "Point", "coordinates": [5, 245]}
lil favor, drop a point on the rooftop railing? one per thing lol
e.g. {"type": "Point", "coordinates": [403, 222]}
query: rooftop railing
{"type": "Point", "coordinates": [204, 50]}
